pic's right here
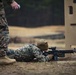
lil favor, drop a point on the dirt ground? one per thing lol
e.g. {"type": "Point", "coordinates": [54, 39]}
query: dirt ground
{"type": "Point", "coordinates": [36, 68]}
{"type": "Point", "coordinates": [65, 67]}
{"type": "Point", "coordinates": [45, 32]}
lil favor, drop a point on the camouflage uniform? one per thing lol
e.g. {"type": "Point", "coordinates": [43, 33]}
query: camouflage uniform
{"type": "Point", "coordinates": [4, 38]}
{"type": "Point", "coordinates": [27, 53]}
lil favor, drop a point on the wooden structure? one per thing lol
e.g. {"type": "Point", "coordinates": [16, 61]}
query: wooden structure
{"type": "Point", "coordinates": [70, 23]}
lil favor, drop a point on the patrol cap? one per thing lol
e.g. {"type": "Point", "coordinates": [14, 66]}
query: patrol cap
{"type": "Point", "coordinates": [42, 44]}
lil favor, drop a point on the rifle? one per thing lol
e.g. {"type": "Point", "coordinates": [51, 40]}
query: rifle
{"type": "Point", "coordinates": [58, 53]}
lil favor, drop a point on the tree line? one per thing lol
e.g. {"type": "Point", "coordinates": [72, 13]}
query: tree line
{"type": "Point", "coordinates": [34, 13]}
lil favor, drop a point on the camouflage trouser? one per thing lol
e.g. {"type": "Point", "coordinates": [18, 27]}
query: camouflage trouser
{"type": "Point", "coordinates": [4, 38]}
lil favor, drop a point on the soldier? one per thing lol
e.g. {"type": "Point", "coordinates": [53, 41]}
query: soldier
{"type": "Point", "coordinates": [4, 37]}
{"type": "Point", "coordinates": [30, 52]}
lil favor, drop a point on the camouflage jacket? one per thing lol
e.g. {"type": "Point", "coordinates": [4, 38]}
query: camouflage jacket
{"type": "Point", "coordinates": [28, 53]}
{"type": "Point", "coordinates": [2, 6]}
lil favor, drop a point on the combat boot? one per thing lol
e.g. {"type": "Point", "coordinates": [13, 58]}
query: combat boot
{"type": "Point", "coordinates": [6, 60]}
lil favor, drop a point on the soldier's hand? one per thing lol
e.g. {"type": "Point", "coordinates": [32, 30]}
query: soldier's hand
{"type": "Point", "coordinates": [15, 5]}
{"type": "Point", "coordinates": [50, 56]}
